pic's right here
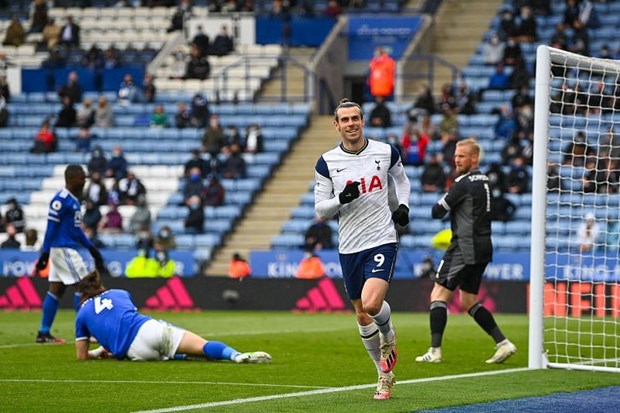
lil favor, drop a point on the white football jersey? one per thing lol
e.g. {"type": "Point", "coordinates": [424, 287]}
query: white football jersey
{"type": "Point", "coordinates": [366, 222]}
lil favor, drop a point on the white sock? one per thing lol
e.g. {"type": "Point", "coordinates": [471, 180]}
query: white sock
{"type": "Point", "coordinates": [370, 338]}
{"type": "Point", "coordinates": [384, 323]}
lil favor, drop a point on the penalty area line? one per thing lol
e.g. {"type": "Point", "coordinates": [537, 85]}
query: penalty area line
{"type": "Point", "coordinates": [325, 391]}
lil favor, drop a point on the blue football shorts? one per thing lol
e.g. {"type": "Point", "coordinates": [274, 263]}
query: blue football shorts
{"type": "Point", "coordinates": [376, 262]}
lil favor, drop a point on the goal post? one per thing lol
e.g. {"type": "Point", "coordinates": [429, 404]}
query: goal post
{"type": "Point", "coordinates": [574, 290]}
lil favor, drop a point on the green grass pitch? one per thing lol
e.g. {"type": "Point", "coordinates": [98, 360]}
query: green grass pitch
{"type": "Point", "coordinates": [319, 365]}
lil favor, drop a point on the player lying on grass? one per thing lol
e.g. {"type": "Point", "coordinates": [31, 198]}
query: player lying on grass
{"type": "Point", "coordinates": [111, 317]}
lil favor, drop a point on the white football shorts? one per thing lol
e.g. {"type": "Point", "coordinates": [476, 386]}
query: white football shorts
{"type": "Point", "coordinates": [156, 340]}
{"type": "Point", "coordinates": [67, 266]}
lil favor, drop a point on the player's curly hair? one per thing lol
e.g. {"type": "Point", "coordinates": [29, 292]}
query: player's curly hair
{"type": "Point", "coordinates": [90, 286]}
{"type": "Point", "coordinates": [346, 103]}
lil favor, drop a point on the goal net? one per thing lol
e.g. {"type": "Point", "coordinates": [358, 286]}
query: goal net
{"type": "Point", "coordinates": [574, 289]}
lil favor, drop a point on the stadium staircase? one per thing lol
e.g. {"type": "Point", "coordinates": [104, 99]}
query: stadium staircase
{"type": "Point", "coordinates": [294, 76]}
{"type": "Point", "coordinates": [280, 196]}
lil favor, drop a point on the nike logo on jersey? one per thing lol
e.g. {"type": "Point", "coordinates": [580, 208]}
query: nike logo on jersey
{"type": "Point", "coordinates": [376, 270]}
{"type": "Point", "coordinates": [340, 169]}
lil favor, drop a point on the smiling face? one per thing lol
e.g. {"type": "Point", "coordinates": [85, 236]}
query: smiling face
{"type": "Point", "coordinates": [350, 123]}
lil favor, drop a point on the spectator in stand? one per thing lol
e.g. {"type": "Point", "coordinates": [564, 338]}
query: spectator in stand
{"type": "Point", "coordinates": [93, 58]}
{"type": "Point", "coordinates": [231, 137]}
{"type": "Point", "coordinates": [200, 113]}
{"type": "Point", "coordinates": [426, 100]}
{"type": "Point", "coordinates": [14, 214]}
{"type": "Point", "coordinates": [213, 137]}
{"type": "Point", "coordinates": [449, 122]}
{"type": "Point", "coordinates": [448, 149]}
{"type": "Point", "coordinates": [222, 44]}
{"type": "Point", "coordinates": [521, 98]}
{"type": "Point", "coordinates": [318, 236]}
{"type": "Point", "coordinates": [571, 13]}
{"type": "Point", "coordinates": [234, 167]}
{"type": "Point", "coordinates": [11, 242]}
{"type": "Point", "coordinates": [446, 96]}
{"type": "Point", "coordinates": [332, 9]}
{"type": "Point", "coordinates": [506, 124]}
{"type": "Point", "coordinates": [554, 180]}
{"type": "Point", "coordinates": [83, 140]}
{"type": "Point", "coordinates": [131, 189]}
{"type": "Point", "coordinates": [38, 16]}
{"type": "Point", "coordinates": [92, 215]}
{"type": "Point", "coordinates": [520, 76]}
{"type": "Point", "coordinates": [195, 220]}
{"type": "Point", "coordinates": [605, 52]}
{"type": "Point", "coordinates": [70, 33]}
{"type": "Point", "coordinates": [198, 66]}
{"type": "Point", "coordinates": [182, 119]}
{"type": "Point", "coordinates": [159, 118]}
{"type": "Point", "coordinates": [112, 222]}
{"type": "Point", "coordinates": [497, 177]}
{"type": "Point", "coordinates": [4, 112]}
{"type": "Point", "coordinates": [179, 65]}
{"type": "Point", "coordinates": [559, 38]}
{"type": "Point", "coordinates": [4, 65]}
{"type": "Point", "coordinates": [518, 178]}
{"type": "Point", "coordinates": [382, 74]}
{"type": "Point", "coordinates": [72, 88]}
{"type": "Point", "coordinates": [117, 165]}
{"type": "Point", "coordinates": [427, 127]}
{"type": "Point", "coordinates": [576, 152]}
{"type": "Point", "coordinates": [253, 140]}
{"type": "Point", "coordinates": [512, 53]}
{"type": "Point", "coordinates": [32, 239]}
{"type": "Point", "coordinates": [380, 115]}
{"type": "Point", "coordinates": [414, 144]}
{"type": "Point", "coordinates": [67, 116]}
{"type": "Point", "coordinates": [465, 100]}
{"type": "Point", "coordinates": [181, 14]}
{"type": "Point", "coordinates": [499, 80]}
{"type": "Point", "coordinates": [51, 34]}
{"type": "Point", "coordinates": [96, 190]}
{"type": "Point", "coordinates": [513, 149]}
{"type": "Point", "coordinates": [165, 238]}
{"type": "Point", "coordinates": [15, 33]}
{"type": "Point", "coordinates": [129, 92]}
{"type": "Point", "coordinates": [193, 184]}
{"type": "Point", "coordinates": [141, 218]}
{"type": "Point", "coordinates": [97, 162]}
{"type": "Point", "coordinates": [493, 51]}
{"type": "Point", "coordinates": [502, 208]}
{"type": "Point", "coordinates": [213, 193]}
{"type": "Point", "coordinates": [91, 234]}
{"type": "Point", "coordinates": [55, 60]}
{"type": "Point", "coordinates": [111, 58]}
{"type": "Point", "coordinates": [602, 176]}
{"type": "Point", "coordinates": [507, 25]}
{"type": "Point", "coordinates": [588, 233]}
{"type": "Point", "coordinates": [85, 116]}
{"type": "Point", "coordinates": [104, 114]}
{"type": "Point", "coordinates": [527, 28]}
{"type": "Point", "coordinates": [239, 267]}
{"type": "Point", "coordinates": [580, 41]}
{"type": "Point", "coordinates": [201, 40]}
{"type": "Point", "coordinates": [45, 140]}
{"type": "Point", "coordinates": [196, 161]}
{"type": "Point", "coordinates": [433, 176]}
{"type": "Point", "coordinates": [148, 88]}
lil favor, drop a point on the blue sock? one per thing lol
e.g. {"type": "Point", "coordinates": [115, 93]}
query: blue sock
{"type": "Point", "coordinates": [217, 350]}
{"type": "Point", "coordinates": [76, 301]}
{"type": "Point", "coordinates": [50, 307]}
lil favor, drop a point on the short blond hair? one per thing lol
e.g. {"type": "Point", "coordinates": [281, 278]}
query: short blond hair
{"type": "Point", "coordinates": [472, 143]}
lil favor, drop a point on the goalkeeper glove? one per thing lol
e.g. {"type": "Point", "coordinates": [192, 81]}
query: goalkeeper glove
{"type": "Point", "coordinates": [99, 264]}
{"type": "Point", "coordinates": [42, 262]}
{"type": "Point", "coordinates": [401, 215]}
{"type": "Point", "coordinates": [350, 192]}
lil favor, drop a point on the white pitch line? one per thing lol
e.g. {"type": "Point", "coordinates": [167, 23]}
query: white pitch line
{"type": "Point", "coordinates": [202, 383]}
{"type": "Point", "coordinates": [324, 391]}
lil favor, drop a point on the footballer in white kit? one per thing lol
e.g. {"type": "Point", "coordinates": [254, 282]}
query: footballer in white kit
{"type": "Point", "coordinates": [352, 183]}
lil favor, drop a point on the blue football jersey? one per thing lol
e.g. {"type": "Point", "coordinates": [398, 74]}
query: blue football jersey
{"type": "Point", "coordinates": [112, 318]}
{"type": "Point", "coordinates": [64, 220]}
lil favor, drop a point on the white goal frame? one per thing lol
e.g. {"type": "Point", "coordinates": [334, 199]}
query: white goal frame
{"type": "Point", "coordinates": [540, 271]}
